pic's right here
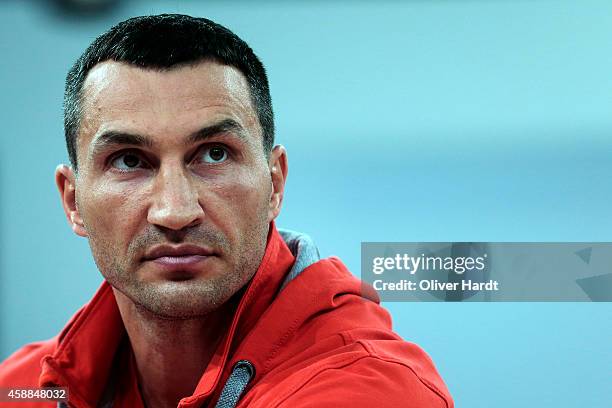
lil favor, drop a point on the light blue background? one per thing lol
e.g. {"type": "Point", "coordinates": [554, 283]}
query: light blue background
{"type": "Point", "coordinates": [404, 121]}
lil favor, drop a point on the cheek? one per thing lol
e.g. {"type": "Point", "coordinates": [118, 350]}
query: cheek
{"type": "Point", "coordinates": [108, 210]}
{"type": "Point", "coordinates": [242, 199]}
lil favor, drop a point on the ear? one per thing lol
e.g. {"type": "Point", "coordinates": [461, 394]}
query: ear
{"type": "Point", "coordinates": [66, 184]}
{"type": "Point", "coordinates": [278, 172]}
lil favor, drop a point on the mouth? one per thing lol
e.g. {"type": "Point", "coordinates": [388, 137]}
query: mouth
{"type": "Point", "coordinates": [182, 257]}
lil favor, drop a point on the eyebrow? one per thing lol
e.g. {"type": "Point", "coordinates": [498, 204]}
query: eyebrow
{"type": "Point", "coordinates": [224, 126]}
{"type": "Point", "coordinates": [118, 138]}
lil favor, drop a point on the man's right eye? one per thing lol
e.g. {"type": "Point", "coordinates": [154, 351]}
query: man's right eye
{"type": "Point", "coordinates": [127, 161]}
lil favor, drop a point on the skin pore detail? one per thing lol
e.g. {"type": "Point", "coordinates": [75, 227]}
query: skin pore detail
{"type": "Point", "coordinates": [175, 195]}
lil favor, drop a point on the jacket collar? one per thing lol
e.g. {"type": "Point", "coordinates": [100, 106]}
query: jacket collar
{"type": "Point", "coordinates": [87, 346]}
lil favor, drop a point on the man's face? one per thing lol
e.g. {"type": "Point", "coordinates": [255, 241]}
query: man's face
{"type": "Point", "coordinates": [174, 190]}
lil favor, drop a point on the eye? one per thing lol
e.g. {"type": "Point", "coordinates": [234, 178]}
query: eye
{"type": "Point", "coordinates": [127, 161]}
{"type": "Point", "coordinates": [214, 154]}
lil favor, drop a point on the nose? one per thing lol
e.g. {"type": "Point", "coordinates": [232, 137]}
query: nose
{"type": "Point", "coordinates": [175, 203]}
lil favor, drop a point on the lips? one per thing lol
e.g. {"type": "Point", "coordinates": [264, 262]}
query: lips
{"type": "Point", "coordinates": [181, 258]}
{"type": "Point", "coordinates": [176, 252]}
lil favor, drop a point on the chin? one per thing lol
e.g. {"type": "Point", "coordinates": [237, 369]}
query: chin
{"type": "Point", "coordinates": [181, 299]}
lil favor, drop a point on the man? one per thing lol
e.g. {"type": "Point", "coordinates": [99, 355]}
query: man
{"type": "Point", "coordinates": [176, 183]}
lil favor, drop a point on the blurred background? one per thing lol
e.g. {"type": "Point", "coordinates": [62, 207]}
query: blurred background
{"type": "Point", "coordinates": [424, 121]}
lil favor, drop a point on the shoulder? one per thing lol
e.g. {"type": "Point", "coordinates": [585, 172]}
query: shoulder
{"type": "Point", "coordinates": [23, 368]}
{"type": "Point", "coordinates": [338, 349]}
{"type": "Point", "coordinates": [367, 382]}
{"type": "Point", "coordinates": [359, 374]}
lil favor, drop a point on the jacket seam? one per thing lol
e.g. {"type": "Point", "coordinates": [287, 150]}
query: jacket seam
{"type": "Point", "coordinates": [349, 363]}
{"type": "Point", "coordinates": [425, 382]}
{"type": "Point", "coordinates": [279, 344]}
{"type": "Point", "coordinates": [346, 338]}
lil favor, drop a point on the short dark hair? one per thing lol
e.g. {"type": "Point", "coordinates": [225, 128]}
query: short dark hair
{"type": "Point", "coordinates": [162, 42]}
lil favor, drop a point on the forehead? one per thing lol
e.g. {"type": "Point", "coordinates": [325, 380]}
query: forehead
{"type": "Point", "coordinates": [163, 103]}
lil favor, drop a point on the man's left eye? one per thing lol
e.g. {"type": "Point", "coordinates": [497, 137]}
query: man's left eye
{"type": "Point", "coordinates": [215, 154]}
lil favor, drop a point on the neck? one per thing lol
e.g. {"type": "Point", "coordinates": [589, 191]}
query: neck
{"type": "Point", "coordinates": [171, 355]}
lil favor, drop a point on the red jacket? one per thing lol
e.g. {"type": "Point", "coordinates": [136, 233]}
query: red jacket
{"type": "Point", "coordinates": [309, 333]}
